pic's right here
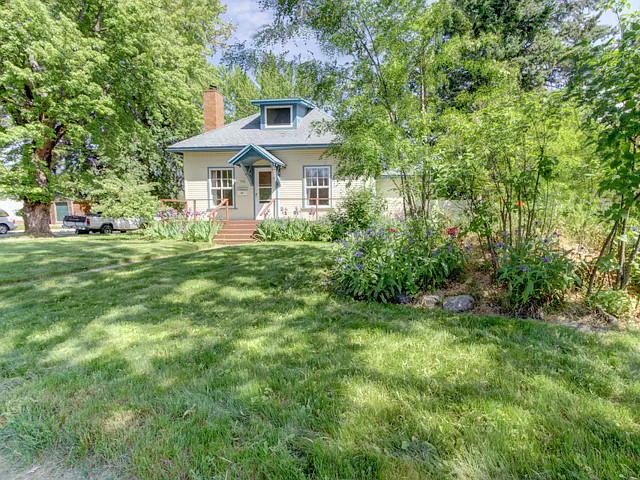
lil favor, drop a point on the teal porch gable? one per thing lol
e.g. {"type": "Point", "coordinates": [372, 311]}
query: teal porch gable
{"type": "Point", "coordinates": [250, 154]}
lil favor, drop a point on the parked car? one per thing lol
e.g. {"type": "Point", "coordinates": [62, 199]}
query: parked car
{"type": "Point", "coordinates": [6, 225]}
{"type": "Point", "coordinates": [93, 222]}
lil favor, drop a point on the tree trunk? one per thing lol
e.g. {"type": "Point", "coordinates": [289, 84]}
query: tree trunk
{"type": "Point", "coordinates": [36, 213]}
{"type": "Point", "coordinates": [36, 219]}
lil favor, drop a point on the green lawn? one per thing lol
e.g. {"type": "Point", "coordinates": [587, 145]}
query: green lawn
{"type": "Point", "coordinates": [23, 258]}
{"type": "Point", "coordinates": [20, 227]}
{"type": "Point", "coordinates": [238, 363]}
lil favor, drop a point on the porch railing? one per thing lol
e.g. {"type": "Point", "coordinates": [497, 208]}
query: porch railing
{"type": "Point", "coordinates": [267, 210]}
{"type": "Point", "coordinates": [178, 200]}
{"type": "Point", "coordinates": [313, 204]}
{"type": "Point", "coordinates": [187, 201]}
{"type": "Point", "coordinates": [223, 203]}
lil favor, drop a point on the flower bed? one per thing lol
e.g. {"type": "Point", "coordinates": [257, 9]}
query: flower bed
{"type": "Point", "coordinates": [183, 225]}
{"type": "Point", "coordinates": [536, 272]}
{"type": "Point", "coordinates": [401, 258]}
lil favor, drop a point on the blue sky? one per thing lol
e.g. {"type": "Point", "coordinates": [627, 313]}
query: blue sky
{"type": "Point", "coordinates": [247, 16]}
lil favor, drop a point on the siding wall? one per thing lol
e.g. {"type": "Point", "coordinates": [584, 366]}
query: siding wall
{"type": "Point", "coordinates": [196, 165]}
{"type": "Point", "coordinates": [385, 187]}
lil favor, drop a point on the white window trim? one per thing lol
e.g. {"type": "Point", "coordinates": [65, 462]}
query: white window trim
{"type": "Point", "coordinates": [306, 203]}
{"type": "Point", "coordinates": [233, 185]}
{"type": "Point", "coordinates": [266, 116]}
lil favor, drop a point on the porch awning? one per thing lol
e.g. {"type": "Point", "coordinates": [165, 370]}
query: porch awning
{"type": "Point", "coordinates": [252, 154]}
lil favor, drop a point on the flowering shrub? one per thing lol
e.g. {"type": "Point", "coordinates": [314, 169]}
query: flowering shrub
{"type": "Point", "coordinates": [536, 272]}
{"type": "Point", "coordinates": [182, 225]}
{"type": "Point", "coordinates": [295, 229]}
{"type": "Point", "coordinates": [359, 208]}
{"type": "Point", "coordinates": [401, 258]}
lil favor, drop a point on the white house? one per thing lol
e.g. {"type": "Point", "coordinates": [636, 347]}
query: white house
{"type": "Point", "coordinates": [271, 164]}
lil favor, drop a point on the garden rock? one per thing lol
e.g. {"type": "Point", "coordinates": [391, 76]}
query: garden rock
{"type": "Point", "coordinates": [429, 301]}
{"type": "Point", "coordinates": [459, 303]}
{"type": "Point", "coordinates": [403, 298]}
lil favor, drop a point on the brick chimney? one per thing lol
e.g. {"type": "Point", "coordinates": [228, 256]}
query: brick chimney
{"type": "Point", "coordinates": [213, 108]}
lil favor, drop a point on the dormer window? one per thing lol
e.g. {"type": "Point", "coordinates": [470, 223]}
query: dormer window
{"type": "Point", "coordinates": [279, 117]}
{"type": "Point", "coordinates": [282, 112]}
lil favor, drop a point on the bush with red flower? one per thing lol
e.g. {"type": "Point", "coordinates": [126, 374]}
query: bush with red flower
{"type": "Point", "coordinates": [393, 259]}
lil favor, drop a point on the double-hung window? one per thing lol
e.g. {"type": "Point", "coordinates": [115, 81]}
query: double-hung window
{"type": "Point", "coordinates": [221, 183]}
{"type": "Point", "coordinates": [317, 186]}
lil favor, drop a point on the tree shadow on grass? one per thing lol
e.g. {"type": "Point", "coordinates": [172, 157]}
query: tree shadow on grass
{"type": "Point", "coordinates": [238, 362]}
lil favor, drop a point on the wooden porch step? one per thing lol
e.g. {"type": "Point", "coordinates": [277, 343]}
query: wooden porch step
{"type": "Point", "coordinates": [240, 222]}
{"type": "Point", "coordinates": [235, 232]}
{"type": "Point", "coordinates": [240, 228]}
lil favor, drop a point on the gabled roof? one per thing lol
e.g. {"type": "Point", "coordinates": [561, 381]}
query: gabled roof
{"type": "Point", "coordinates": [249, 154]}
{"type": "Point", "coordinates": [237, 135]}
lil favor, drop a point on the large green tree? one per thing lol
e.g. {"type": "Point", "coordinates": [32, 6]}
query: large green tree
{"type": "Point", "coordinates": [247, 74]}
{"type": "Point", "coordinates": [86, 85]}
{"type": "Point", "coordinates": [540, 36]}
{"type": "Point", "coordinates": [608, 83]}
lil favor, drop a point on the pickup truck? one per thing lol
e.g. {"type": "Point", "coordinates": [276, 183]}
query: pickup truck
{"type": "Point", "coordinates": [93, 222]}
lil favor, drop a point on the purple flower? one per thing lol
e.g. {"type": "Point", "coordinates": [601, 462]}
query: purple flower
{"type": "Point", "coordinates": [467, 248]}
{"type": "Point", "coordinates": [505, 233]}
{"type": "Point", "coordinates": [523, 268]}
{"type": "Point", "coordinates": [545, 259]}
{"type": "Point", "coordinates": [325, 283]}
{"type": "Point", "coordinates": [359, 254]}
{"type": "Point", "coordinates": [634, 229]}
{"type": "Point", "coordinates": [501, 244]}
{"type": "Point", "coordinates": [450, 248]}
{"type": "Point", "coordinates": [359, 266]}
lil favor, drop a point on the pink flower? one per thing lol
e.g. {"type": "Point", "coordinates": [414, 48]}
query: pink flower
{"type": "Point", "coordinates": [393, 229]}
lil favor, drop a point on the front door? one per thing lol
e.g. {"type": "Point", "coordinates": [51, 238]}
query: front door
{"type": "Point", "coordinates": [265, 186]}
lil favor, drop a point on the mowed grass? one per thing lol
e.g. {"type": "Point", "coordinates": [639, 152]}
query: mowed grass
{"type": "Point", "coordinates": [24, 258]}
{"type": "Point", "coordinates": [239, 363]}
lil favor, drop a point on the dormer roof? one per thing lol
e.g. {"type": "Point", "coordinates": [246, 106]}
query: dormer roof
{"type": "Point", "coordinates": [283, 101]}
